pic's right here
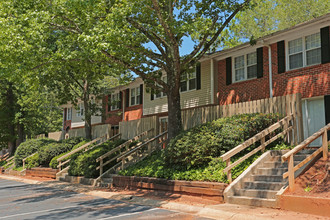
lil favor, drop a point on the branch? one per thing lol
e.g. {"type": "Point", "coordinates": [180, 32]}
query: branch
{"type": "Point", "coordinates": [215, 36]}
{"type": "Point", "coordinates": [144, 76]}
{"type": "Point", "coordinates": [64, 28]}
{"type": "Point", "coordinates": [157, 40]}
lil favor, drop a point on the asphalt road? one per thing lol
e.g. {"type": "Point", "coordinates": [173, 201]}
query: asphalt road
{"type": "Point", "coordinates": [25, 201]}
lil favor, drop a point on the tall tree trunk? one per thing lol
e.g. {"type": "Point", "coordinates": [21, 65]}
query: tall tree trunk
{"type": "Point", "coordinates": [88, 115]}
{"type": "Point", "coordinates": [174, 113]}
{"type": "Point", "coordinates": [10, 100]}
{"type": "Point", "coordinates": [20, 133]}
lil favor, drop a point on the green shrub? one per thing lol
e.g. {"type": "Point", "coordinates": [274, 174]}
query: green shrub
{"type": "Point", "coordinates": [29, 147]}
{"type": "Point", "coordinates": [73, 141]}
{"type": "Point", "coordinates": [197, 146]}
{"type": "Point", "coordinates": [84, 163]}
{"type": "Point", "coordinates": [2, 163]}
{"type": "Point", "coordinates": [48, 152]}
{"type": "Point", "coordinates": [33, 161]}
{"type": "Point", "coordinates": [54, 163]}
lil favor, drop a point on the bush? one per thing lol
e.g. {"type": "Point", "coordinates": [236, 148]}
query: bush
{"type": "Point", "coordinates": [54, 163]}
{"type": "Point", "coordinates": [84, 163]}
{"type": "Point", "coordinates": [33, 161]}
{"type": "Point", "coordinates": [74, 141]}
{"type": "Point", "coordinates": [29, 147]}
{"type": "Point", "coordinates": [48, 152]}
{"type": "Point", "coordinates": [197, 146]}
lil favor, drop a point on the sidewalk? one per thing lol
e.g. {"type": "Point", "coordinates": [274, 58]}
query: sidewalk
{"type": "Point", "coordinates": [219, 211]}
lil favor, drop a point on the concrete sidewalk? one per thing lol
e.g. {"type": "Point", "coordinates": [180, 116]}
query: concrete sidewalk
{"type": "Point", "coordinates": [220, 211]}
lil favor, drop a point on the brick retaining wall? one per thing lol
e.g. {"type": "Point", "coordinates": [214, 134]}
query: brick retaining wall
{"type": "Point", "coordinates": [210, 190]}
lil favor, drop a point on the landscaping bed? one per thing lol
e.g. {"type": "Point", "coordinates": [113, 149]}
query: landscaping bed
{"type": "Point", "coordinates": [208, 190]}
{"type": "Point", "coordinates": [312, 191]}
{"type": "Point", "coordinates": [194, 154]}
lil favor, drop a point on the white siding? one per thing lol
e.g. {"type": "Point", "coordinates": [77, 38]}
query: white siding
{"type": "Point", "coordinates": [189, 99]}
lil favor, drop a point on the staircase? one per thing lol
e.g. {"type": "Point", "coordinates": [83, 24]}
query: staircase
{"type": "Point", "coordinates": [263, 180]}
{"type": "Point", "coordinates": [127, 156]}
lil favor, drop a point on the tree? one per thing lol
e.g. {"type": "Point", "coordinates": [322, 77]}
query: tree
{"type": "Point", "coordinates": [268, 16]}
{"type": "Point", "coordinates": [143, 36]}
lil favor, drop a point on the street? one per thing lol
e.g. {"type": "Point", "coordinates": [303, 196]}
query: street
{"type": "Point", "coordinates": [26, 201]}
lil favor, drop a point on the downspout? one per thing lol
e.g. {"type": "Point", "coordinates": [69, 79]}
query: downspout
{"type": "Point", "coordinates": [212, 81]}
{"type": "Point", "coordinates": [270, 71]}
{"type": "Point", "coordinates": [123, 103]}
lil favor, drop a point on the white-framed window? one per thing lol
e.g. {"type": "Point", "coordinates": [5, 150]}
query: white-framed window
{"type": "Point", "coordinates": [135, 96]}
{"type": "Point", "coordinates": [69, 113]}
{"type": "Point", "coordinates": [188, 82]}
{"type": "Point", "coordinates": [245, 67]}
{"type": "Point", "coordinates": [115, 101]}
{"type": "Point", "coordinates": [81, 109]}
{"type": "Point", "coordinates": [161, 94]}
{"type": "Point", "coordinates": [304, 51]}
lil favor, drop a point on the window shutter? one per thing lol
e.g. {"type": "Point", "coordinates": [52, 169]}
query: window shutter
{"type": "Point", "coordinates": [260, 63]}
{"type": "Point", "coordinates": [228, 71]}
{"type": "Point", "coordinates": [280, 57]}
{"type": "Point", "coordinates": [109, 103]}
{"type": "Point", "coordinates": [325, 45]}
{"type": "Point", "coordinates": [327, 112]}
{"type": "Point", "coordinates": [120, 100]}
{"type": "Point", "coordinates": [127, 97]}
{"type": "Point", "coordinates": [198, 76]}
{"type": "Point", "coordinates": [65, 112]}
{"type": "Point", "coordinates": [141, 94]}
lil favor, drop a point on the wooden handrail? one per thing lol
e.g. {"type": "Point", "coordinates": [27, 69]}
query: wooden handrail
{"type": "Point", "coordinates": [116, 149]}
{"type": "Point", "coordinates": [27, 158]}
{"type": "Point", "coordinates": [289, 155]}
{"type": "Point", "coordinates": [140, 146]}
{"type": "Point", "coordinates": [79, 148]}
{"type": "Point", "coordinates": [306, 142]}
{"type": "Point", "coordinates": [123, 145]}
{"type": "Point", "coordinates": [254, 139]}
{"type": "Point", "coordinates": [4, 157]}
{"type": "Point", "coordinates": [260, 136]}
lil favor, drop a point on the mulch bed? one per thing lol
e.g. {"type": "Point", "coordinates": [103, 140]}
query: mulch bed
{"type": "Point", "coordinates": [313, 182]}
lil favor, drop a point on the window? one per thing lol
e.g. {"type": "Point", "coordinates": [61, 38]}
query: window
{"type": "Point", "coordinates": [161, 94]}
{"type": "Point", "coordinates": [188, 82]}
{"type": "Point", "coordinates": [245, 67]}
{"type": "Point", "coordinates": [80, 111]}
{"type": "Point", "coordinates": [135, 96]}
{"type": "Point", "coordinates": [115, 101]}
{"type": "Point", "coordinates": [304, 51]}
{"type": "Point", "coordinates": [69, 114]}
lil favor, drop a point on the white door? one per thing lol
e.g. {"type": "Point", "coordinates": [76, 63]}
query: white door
{"type": "Point", "coordinates": [313, 117]}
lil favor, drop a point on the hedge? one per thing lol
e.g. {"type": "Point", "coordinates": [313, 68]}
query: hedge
{"type": "Point", "coordinates": [197, 146]}
{"type": "Point", "coordinates": [84, 163]}
{"type": "Point", "coordinates": [29, 147]}
{"type": "Point", "coordinates": [54, 163]}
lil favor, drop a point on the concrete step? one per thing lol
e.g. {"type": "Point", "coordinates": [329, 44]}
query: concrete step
{"type": "Point", "coordinates": [267, 178]}
{"type": "Point", "coordinates": [257, 193]}
{"type": "Point", "coordinates": [297, 157]}
{"type": "Point", "coordinates": [262, 185]}
{"type": "Point", "coordinates": [270, 171]}
{"type": "Point", "coordinates": [261, 202]}
{"type": "Point", "coordinates": [277, 164]}
{"type": "Point", "coordinates": [306, 152]}
{"type": "Point", "coordinates": [107, 180]}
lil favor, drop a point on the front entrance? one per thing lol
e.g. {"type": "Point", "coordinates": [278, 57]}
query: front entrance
{"type": "Point", "coordinates": [313, 118]}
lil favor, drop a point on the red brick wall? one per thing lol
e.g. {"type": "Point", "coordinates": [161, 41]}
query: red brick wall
{"type": "Point", "coordinates": [309, 81]}
{"type": "Point", "coordinates": [133, 112]}
{"type": "Point", "coordinates": [113, 117]}
{"type": "Point", "coordinates": [66, 124]}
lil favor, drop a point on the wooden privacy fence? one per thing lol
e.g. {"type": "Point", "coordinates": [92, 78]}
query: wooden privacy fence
{"type": "Point", "coordinates": [284, 105]}
{"type": "Point", "coordinates": [289, 155]}
{"type": "Point", "coordinates": [130, 129]}
{"type": "Point", "coordinates": [284, 123]}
